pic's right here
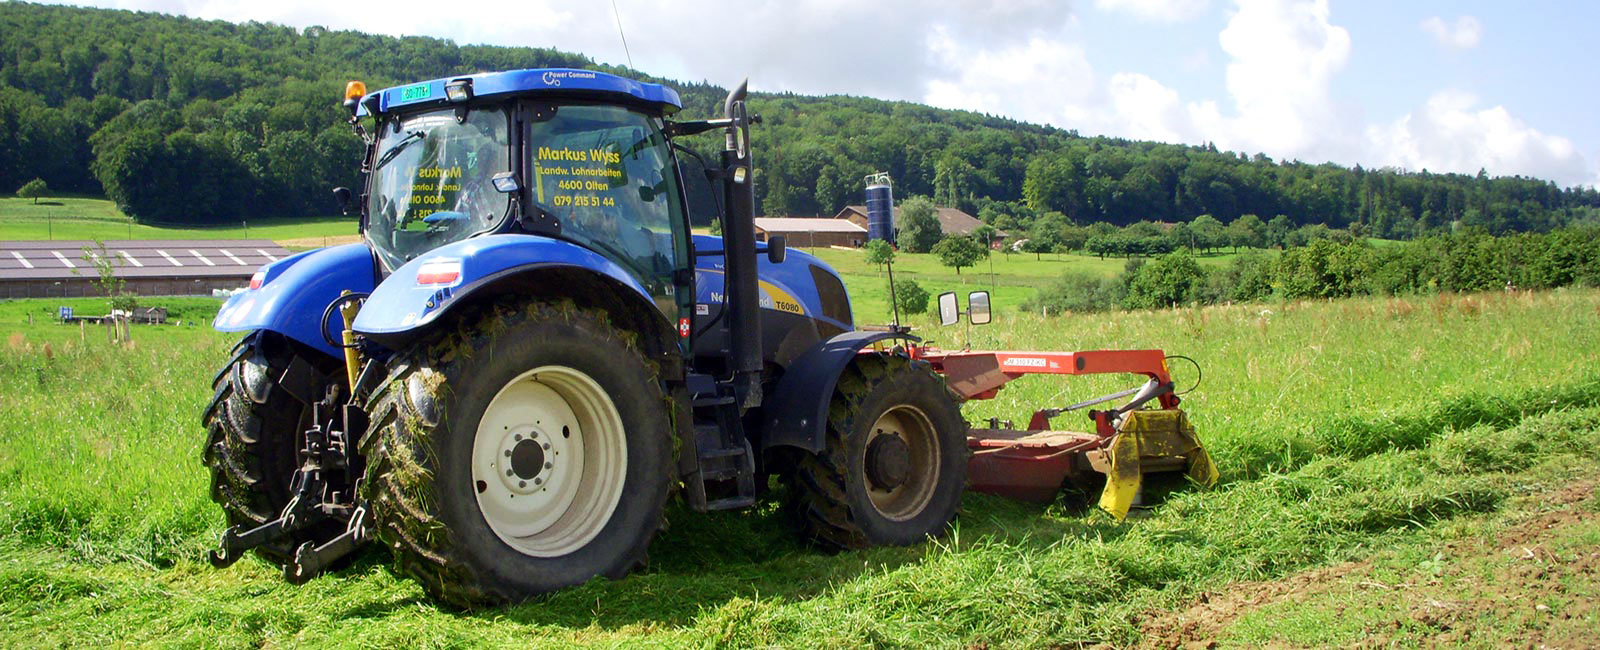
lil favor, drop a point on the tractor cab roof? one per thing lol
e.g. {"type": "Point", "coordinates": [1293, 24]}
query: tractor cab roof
{"type": "Point", "coordinates": [565, 82]}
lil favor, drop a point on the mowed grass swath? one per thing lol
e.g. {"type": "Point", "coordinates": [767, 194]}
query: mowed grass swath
{"type": "Point", "coordinates": [1339, 427]}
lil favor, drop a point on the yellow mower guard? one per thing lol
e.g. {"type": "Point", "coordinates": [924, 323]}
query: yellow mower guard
{"type": "Point", "coordinates": [1146, 437]}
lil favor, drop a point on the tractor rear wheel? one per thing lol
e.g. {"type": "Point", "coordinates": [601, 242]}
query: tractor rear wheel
{"type": "Point", "coordinates": [895, 461]}
{"type": "Point", "coordinates": [524, 452]}
{"type": "Point", "coordinates": [254, 427]}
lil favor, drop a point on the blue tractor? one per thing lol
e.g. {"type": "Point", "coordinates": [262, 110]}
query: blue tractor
{"type": "Point", "coordinates": [530, 353]}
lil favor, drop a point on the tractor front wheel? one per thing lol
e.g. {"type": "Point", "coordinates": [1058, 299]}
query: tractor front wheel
{"type": "Point", "coordinates": [895, 460]}
{"type": "Point", "coordinates": [255, 426]}
{"type": "Point", "coordinates": [527, 451]}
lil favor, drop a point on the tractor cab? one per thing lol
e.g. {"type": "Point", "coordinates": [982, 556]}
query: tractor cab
{"type": "Point", "coordinates": [570, 155]}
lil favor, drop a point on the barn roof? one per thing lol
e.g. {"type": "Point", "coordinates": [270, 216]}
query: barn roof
{"type": "Point", "coordinates": [64, 260]}
{"type": "Point", "coordinates": [806, 224]}
{"type": "Point", "coordinates": [951, 220]}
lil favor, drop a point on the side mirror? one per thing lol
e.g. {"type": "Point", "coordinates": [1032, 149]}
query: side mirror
{"type": "Point", "coordinates": [978, 308]}
{"type": "Point", "coordinates": [777, 248]}
{"type": "Point", "coordinates": [949, 311]}
{"type": "Point", "coordinates": [342, 196]}
{"type": "Point", "coordinates": [505, 182]}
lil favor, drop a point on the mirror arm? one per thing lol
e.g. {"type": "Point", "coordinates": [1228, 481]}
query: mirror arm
{"type": "Point", "coordinates": [675, 129]}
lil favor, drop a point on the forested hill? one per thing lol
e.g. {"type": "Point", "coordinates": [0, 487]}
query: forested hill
{"type": "Point", "coordinates": [189, 120]}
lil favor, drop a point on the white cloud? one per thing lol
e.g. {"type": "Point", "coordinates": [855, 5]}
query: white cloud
{"type": "Point", "coordinates": [1284, 57]}
{"type": "Point", "coordinates": [1158, 10]}
{"type": "Point", "coordinates": [1039, 80]}
{"type": "Point", "coordinates": [1148, 110]}
{"type": "Point", "coordinates": [879, 49]}
{"type": "Point", "coordinates": [1450, 133]}
{"type": "Point", "coordinates": [1463, 35]}
{"type": "Point", "coordinates": [1020, 59]}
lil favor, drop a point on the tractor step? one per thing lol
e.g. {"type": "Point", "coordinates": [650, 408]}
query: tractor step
{"type": "Point", "coordinates": [723, 477]}
{"type": "Point", "coordinates": [721, 453]}
{"type": "Point", "coordinates": [731, 503]}
{"type": "Point", "coordinates": [708, 402]}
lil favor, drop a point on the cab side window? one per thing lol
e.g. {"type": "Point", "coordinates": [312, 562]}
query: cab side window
{"type": "Point", "coordinates": [603, 172]}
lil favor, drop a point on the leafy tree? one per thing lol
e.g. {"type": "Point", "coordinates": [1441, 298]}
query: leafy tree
{"type": "Point", "coordinates": [1079, 292]}
{"type": "Point", "coordinates": [958, 251]}
{"type": "Point", "coordinates": [33, 190]}
{"type": "Point", "coordinates": [920, 230]}
{"type": "Point", "coordinates": [879, 253]}
{"type": "Point", "coordinates": [1278, 231]}
{"type": "Point", "coordinates": [1324, 269]}
{"type": "Point", "coordinates": [1045, 235]}
{"type": "Point", "coordinates": [1208, 232]}
{"type": "Point", "coordinates": [1182, 236]}
{"type": "Point", "coordinates": [985, 235]}
{"type": "Point", "coordinates": [910, 297]}
{"type": "Point", "coordinates": [105, 266]}
{"type": "Point", "coordinates": [1247, 231]}
{"type": "Point", "coordinates": [1168, 280]}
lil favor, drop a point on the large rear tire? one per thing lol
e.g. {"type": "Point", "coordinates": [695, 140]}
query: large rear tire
{"type": "Point", "coordinates": [895, 461]}
{"type": "Point", "coordinates": [524, 452]}
{"type": "Point", "coordinates": [254, 427]}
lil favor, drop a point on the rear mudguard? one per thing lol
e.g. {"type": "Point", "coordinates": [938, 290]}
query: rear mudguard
{"type": "Point", "coordinates": [400, 308]}
{"type": "Point", "coordinates": [798, 409]}
{"type": "Point", "coordinates": [296, 290]}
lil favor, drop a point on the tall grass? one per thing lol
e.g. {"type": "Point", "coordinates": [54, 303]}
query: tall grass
{"type": "Point", "coordinates": [1339, 427]}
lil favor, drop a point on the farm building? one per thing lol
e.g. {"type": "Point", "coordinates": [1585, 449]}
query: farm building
{"type": "Point", "coordinates": [951, 220]}
{"type": "Point", "coordinates": [812, 232]}
{"type": "Point", "coordinates": [40, 269]}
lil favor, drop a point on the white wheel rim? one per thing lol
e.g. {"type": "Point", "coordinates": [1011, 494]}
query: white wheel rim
{"type": "Point", "coordinates": [548, 461]}
{"type": "Point", "coordinates": [909, 499]}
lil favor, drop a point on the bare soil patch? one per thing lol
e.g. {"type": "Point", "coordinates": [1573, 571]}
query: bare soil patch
{"type": "Point", "coordinates": [1512, 582]}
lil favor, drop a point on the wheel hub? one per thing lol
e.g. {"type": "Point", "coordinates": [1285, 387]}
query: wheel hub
{"type": "Point", "coordinates": [527, 459]}
{"type": "Point", "coordinates": [888, 462]}
{"type": "Point", "coordinates": [901, 462]}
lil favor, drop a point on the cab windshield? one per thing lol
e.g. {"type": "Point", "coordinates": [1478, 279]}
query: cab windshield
{"type": "Point", "coordinates": [432, 181]}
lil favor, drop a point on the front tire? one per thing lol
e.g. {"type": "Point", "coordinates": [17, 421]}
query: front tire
{"type": "Point", "coordinates": [527, 451]}
{"type": "Point", "coordinates": [895, 461]}
{"type": "Point", "coordinates": [254, 426]}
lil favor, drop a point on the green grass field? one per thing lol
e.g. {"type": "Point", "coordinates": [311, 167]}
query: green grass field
{"type": "Point", "coordinates": [1379, 431]}
{"type": "Point", "coordinates": [93, 218]}
{"type": "Point", "coordinates": [1010, 279]}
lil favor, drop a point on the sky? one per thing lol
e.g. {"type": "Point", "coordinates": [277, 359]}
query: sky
{"type": "Point", "coordinates": [1442, 85]}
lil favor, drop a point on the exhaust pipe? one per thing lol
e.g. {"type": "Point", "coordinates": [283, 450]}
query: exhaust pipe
{"type": "Point", "coordinates": [739, 246]}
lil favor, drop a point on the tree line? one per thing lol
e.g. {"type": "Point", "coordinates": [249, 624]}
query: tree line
{"type": "Point", "coordinates": [185, 120]}
{"type": "Point", "coordinates": [1469, 260]}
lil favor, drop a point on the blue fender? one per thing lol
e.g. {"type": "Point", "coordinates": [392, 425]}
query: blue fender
{"type": "Point", "coordinates": [294, 293]}
{"type": "Point", "coordinates": [798, 410]}
{"type": "Point", "coordinates": [401, 306]}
